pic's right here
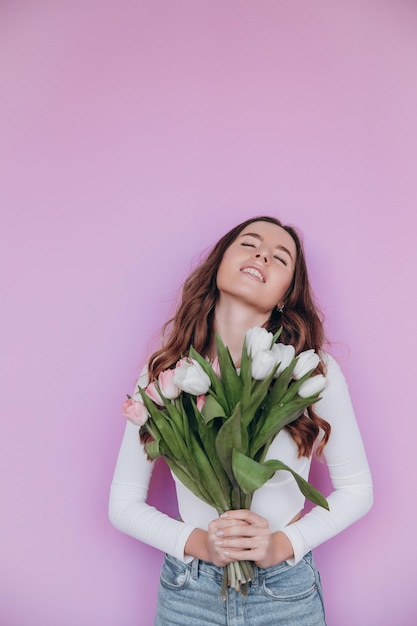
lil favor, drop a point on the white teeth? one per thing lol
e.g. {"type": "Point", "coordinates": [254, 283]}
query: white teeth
{"type": "Point", "coordinates": [253, 272]}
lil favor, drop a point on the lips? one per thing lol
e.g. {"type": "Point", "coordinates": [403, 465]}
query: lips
{"type": "Point", "coordinates": [254, 272]}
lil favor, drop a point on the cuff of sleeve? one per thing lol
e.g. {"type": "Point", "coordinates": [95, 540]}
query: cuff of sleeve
{"type": "Point", "coordinates": [297, 543]}
{"type": "Point", "coordinates": [181, 541]}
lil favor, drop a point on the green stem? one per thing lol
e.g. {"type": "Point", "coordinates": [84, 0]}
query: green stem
{"type": "Point", "coordinates": [247, 569]}
{"type": "Point", "coordinates": [232, 575]}
{"type": "Point", "coordinates": [246, 500]}
{"type": "Point", "coordinates": [225, 582]}
{"type": "Point", "coordinates": [236, 497]}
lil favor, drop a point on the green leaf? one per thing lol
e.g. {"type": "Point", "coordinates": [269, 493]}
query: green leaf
{"type": "Point", "coordinates": [208, 433]}
{"type": "Point", "coordinates": [231, 381]}
{"type": "Point", "coordinates": [184, 418]}
{"type": "Point", "coordinates": [153, 449]}
{"type": "Point", "coordinates": [212, 409]}
{"type": "Point", "coordinates": [245, 368]}
{"type": "Point", "coordinates": [294, 387]}
{"type": "Point", "coordinates": [216, 388]}
{"type": "Point", "coordinates": [276, 336]}
{"type": "Point", "coordinates": [184, 476]}
{"type": "Point", "coordinates": [206, 476]}
{"type": "Point", "coordinates": [306, 489]}
{"type": "Point", "coordinates": [258, 393]}
{"type": "Point", "coordinates": [180, 450]}
{"type": "Point", "coordinates": [270, 426]}
{"type": "Point", "coordinates": [174, 413]}
{"type": "Point", "coordinates": [173, 442]}
{"type": "Point", "coordinates": [280, 385]}
{"type": "Point", "coordinates": [201, 464]}
{"type": "Point", "coordinates": [231, 436]}
{"type": "Point", "coordinates": [251, 475]}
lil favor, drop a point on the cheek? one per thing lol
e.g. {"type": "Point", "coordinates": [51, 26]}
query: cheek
{"type": "Point", "coordinates": [291, 281]}
{"type": "Point", "coordinates": [288, 282]}
{"type": "Point", "coordinates": [283, 284]}
{"type": "Point", "coordinates": [220, 278]}
{"type": "Point", "coordinates": [219, 272]}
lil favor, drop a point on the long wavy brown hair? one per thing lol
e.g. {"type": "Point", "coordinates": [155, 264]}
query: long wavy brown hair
{"type": "Point", "coordinates": [193, 324]}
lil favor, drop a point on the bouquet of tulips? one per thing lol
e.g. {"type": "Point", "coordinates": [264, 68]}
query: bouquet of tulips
{"type": "Point", "coordinates": [214, 423]}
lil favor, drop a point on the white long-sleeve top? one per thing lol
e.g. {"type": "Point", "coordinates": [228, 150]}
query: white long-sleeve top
{"type": "Point", "coordinates": [279, 500]}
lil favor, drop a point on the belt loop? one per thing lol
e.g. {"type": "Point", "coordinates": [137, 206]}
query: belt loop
{"type": "Point", "coordinates": [194, 568]}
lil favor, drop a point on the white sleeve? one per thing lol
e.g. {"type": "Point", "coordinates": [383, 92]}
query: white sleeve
{"type": "Point", "coordinates": [128, 510]}
{"type": "Point", "coordinates": [352, 494]}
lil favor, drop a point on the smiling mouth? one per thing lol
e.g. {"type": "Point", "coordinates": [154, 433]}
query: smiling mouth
{"type": "Point", "coordinates": [254, 273]}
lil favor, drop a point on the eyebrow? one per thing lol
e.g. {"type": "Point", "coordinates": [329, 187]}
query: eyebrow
{"type": "Point", "coordinates": [278, 247]}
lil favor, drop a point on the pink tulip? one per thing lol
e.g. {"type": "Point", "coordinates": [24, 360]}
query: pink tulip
{"type": "Point", "coordinates": [216, 367]}
{"type": "Point", "coordinates": [201, 400]}
{"type": "Point", "coordinates": [152, 392]}
{"type": "Point", "coordinates": [167, 386]}
{"type": "Point", "coordinates": [180, 362]}
{"type": "Point", "coordinates": [135, 411]}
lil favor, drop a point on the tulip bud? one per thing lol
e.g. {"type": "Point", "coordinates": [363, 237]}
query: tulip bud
{"type": "Point", "coordinates": [191, 378]}
{"type": "Point", "coordinates": [283, 354]}
{"type": "Point", "coordinates": [167, 386]}
{"type": "Point", "coordinates": [153, 394]}
{"type": "Point", "coordinates": [263, 362]}
{"type": "Point", "coordinates": [306, 362]}
{"type": "Point", "coordinates": [312, 386]}
{"type": "Point", "coordinates": [135, 411]}
{"type": "Point", "coordinates": [201, 400]}
{"type": "Point", "coordinates": [258, 338]}
{"type": "Point", "coordinates": [216, 367]}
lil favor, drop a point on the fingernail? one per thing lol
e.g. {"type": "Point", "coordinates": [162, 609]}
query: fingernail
{"type": "Point", "coordinates": [218, 543]}
{"type": "Point", "coordinates": [219, 533]}
{"type": "Point", "coordinates": [224, 515]}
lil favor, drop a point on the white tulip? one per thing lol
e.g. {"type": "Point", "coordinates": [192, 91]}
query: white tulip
{"type": "Point", "coordinates": [262, 363]}
{"type": "Point", "coordinates": [283, 354]}
{"type": "Point", "coordinates": [312, 386]}
{"type": "Point", "coordinates": [191, 378]}
{"type": "Point", "coordinates": [258, 338]}
{"type": "Point", "coordinates": [306, 361]}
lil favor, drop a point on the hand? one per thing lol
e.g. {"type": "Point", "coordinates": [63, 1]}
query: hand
{"type": "Point", "coordinates": [244, 535]}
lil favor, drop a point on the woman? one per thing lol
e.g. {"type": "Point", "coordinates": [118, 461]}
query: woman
{"type": "Point", "coordinates": [256, 275]}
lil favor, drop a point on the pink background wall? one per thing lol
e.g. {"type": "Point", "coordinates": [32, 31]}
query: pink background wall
{"type": "Point", "coordinates": [133, 134]}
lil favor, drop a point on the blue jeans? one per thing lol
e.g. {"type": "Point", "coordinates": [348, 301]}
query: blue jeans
{"type": "Point", "coordinates": [282, 595]}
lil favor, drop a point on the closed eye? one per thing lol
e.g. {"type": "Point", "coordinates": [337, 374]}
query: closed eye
{"type": "Point", "coordinates": [247, 243]}
{"type": "Point", "coordinates": [281, 260]}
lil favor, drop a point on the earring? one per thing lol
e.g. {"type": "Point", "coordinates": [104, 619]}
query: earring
{"type": "Point", "coordinates": [280, 308]}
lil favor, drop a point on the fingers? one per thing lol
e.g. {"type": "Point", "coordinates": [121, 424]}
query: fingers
{"type": "Point", "coordinates": [245, 515]}
{"type": "Point", "coordinates": [241, 523]}
{"type": "Point", "coordinates": [238, 535]}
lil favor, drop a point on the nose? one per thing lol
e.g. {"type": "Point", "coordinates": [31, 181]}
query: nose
{"type": "Point", "coordinates": [262, 255]}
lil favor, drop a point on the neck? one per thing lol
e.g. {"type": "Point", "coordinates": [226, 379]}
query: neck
{"type": "Point", "coordinates": [232, 321]}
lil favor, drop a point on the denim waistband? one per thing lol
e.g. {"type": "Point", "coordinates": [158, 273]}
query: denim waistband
{"type": "Point", "coordinates": [199, 567]}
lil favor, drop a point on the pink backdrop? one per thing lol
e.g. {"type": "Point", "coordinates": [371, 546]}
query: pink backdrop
{"type": "Point", "coordinates": [133, 134]}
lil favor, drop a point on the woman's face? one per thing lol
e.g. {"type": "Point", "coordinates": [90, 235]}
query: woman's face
{"type": "Point", "coordinates": [258, 266]}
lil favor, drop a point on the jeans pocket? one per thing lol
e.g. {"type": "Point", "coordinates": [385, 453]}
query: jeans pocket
{"type": "Point", "coordinates": [174, 574]}
{"type": "Point", "coordinates": [290, 583]}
